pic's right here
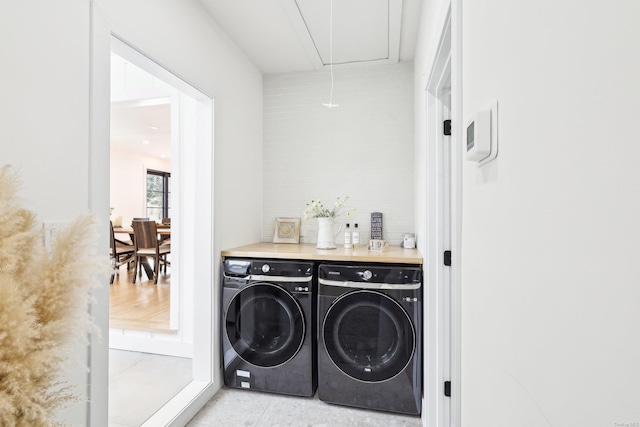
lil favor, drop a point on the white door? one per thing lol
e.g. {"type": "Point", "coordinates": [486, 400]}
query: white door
{"type": "Point", "coordinates": [440, 245]}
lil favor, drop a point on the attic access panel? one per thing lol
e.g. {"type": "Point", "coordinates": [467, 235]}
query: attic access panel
{"type": "Point", "coordinates": [363, 30]}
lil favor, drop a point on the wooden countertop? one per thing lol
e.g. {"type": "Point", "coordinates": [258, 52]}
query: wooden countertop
{"type": "Point", "coordinates": [307, 251]}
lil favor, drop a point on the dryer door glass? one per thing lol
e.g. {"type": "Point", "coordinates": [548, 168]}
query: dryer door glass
{"type": "Point", "coordinates": [265, 325]}
{"type": "Point", "coordinates": [368, 336]}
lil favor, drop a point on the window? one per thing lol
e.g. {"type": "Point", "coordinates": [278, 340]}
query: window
{"type": "Point", "coordinates": [158, 184]}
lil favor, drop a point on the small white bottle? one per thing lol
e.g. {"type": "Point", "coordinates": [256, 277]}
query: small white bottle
{"type": "Point", "coordinates": [347, 238]}
{"type": "Point", "coordinates": [355, 236]}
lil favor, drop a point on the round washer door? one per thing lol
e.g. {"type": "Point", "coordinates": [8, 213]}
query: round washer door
{"type": "Point", "coordinates": [265, 325]}
{"type": "Point", "coordinates": [368, 336]}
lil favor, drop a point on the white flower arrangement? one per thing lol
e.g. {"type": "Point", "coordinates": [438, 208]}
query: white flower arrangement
{"type": "Point", "coordinates": [316, 209]}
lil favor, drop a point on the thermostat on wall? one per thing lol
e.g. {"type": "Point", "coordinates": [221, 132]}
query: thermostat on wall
{"type": "Point", "coordinates": [482, 135]}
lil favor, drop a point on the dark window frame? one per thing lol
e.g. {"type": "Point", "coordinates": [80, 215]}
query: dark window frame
{"type": "Point", "coordinates": [165, 191]}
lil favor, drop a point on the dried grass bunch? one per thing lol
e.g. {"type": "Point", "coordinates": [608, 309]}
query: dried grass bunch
{"type": "Point", "coordinates": [44, 301]}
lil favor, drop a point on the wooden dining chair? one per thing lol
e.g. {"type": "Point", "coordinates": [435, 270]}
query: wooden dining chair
{"type": "Point", "coordinates": [145, 238]}
{"type": "Point", "coordinates": [121, 253]}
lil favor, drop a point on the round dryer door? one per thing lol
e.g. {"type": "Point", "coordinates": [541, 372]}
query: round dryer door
{"type": "Point", "coordinates": [265, 325]}
{"type": "Point", "coordinates": [368, 336]}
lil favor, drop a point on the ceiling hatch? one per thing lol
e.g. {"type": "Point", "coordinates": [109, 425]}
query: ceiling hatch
{"type": "Point", "coordinates": [363, 30]}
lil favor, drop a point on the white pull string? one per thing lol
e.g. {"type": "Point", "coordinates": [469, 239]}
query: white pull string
{"type": "Point", "coordinates": [331, 104]}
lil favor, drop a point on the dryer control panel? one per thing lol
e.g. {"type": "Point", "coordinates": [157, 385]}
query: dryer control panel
{"type": "Point", "coordinates": [394, 275]}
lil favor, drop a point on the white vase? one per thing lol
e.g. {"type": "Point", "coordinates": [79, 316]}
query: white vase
{"type": "Point", "coordinates": [326, 234]}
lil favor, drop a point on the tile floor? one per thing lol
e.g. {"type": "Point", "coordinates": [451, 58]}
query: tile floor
{"type": "Point", "coordinates": [148, 380]}
{"type": "Point", "coordinates": [234, 408]}
{"type": "Point", "coordinates": [133, 377]}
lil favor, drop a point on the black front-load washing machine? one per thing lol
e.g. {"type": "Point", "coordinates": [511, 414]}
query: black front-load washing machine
{"type": "Point", "coordinates": [268, 326]}
{"type": "Point", "coordinates": [370, 335]}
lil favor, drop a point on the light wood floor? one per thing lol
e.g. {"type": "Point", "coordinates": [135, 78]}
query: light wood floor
{"type": "Point", "coordinates": [140, 306]}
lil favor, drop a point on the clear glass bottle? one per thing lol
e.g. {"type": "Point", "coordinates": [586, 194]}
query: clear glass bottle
{"type": "Point", "coordinates": [347, 238]}
{"type": "Point", "coordinates": [355, 236]}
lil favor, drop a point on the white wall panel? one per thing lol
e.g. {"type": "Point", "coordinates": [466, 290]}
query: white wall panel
{"type": "Point", "coordinates": [550, 253]}
{"type": "Point", "coordinates": [363, 148]}
{"type": "Point", "coordinates": [45, 87]}
{"type": "Point", "coordinates": [45, 121]}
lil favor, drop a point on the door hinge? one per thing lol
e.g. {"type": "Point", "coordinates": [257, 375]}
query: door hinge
{"type": "Point", "coordinates": [447, 258]}
{"type": "Point", "coordinates": [447, 388]}
{"type": "Point", "coordinates": [447, 127]}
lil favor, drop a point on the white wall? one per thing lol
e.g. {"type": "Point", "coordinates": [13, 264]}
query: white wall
{"type": "Point", "coordinates": [45, 125]}
{"type": "Point", "coordinates": [550, 271]}
{"type": "Point", "coordinates": [128, 193]}
{"type": "Point", "coordinates": [362, 148]}
{"type": "Point", "coordinates": [45, 87]}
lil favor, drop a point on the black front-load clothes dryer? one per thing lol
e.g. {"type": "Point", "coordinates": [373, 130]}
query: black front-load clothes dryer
{"type": "Point", "coordinates": [370, 334]}
{"type": "Point", "coordinates": [268, 326]}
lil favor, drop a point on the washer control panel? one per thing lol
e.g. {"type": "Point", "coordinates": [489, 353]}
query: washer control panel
{"type": "Point", "coordinates": [267, 267]}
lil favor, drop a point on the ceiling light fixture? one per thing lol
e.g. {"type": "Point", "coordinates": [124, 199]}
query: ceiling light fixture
{"type": "Point", "coordinates": [145, 142]}
{"type": "Point", "coordinates": [154, 127]}
{"type": "Point", "coordinates": [331, 104]}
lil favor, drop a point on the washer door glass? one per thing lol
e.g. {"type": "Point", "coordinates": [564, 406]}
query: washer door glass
{"type": "Point", "coordinates": [368, 336]}
{"type": "Point", "coordinates": [265, 325]}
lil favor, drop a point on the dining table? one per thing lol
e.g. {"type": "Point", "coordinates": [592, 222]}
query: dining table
{"type": "Point", "coordinates": [164, 233]}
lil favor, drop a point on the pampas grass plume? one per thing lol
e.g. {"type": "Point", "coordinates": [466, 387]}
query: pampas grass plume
{"type": "Point", "coordinates": [44, 301]}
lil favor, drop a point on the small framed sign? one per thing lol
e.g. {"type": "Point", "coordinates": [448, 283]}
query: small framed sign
{"type": "Point", "coordinates": [376, 225]}
{"type": "Point", "coordinates": [287, 230]}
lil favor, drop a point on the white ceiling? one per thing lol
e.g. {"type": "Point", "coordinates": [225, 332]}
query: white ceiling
{"type": "Point", "coordinates": [140, 110]}
{"type": "Point", "coordinates": [293, 35]}
{"type": "Point", "coordinates": [278, 36]}
{"type": "Point", "coordinates": [142, 127]}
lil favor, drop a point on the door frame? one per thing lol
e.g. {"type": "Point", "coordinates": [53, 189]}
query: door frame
{"type": "Point", "coordinates": [182, 407]}
{"type": "Point", "coordinates": [444, 219]}
{"type": "Point", "coordinates": [98, 182]}
{"type": "Point", "coordinates": [457, 130]}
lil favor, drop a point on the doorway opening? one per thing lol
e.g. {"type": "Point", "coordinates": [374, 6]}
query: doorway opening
{"type": "Point", "coordinates": [142, 136]}
{"type": "Point", "coordinates": [161, 158]}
